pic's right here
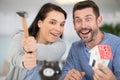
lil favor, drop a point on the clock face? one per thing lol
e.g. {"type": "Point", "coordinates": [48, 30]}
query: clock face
{"type": "Point", "coordinates": [48, 72]}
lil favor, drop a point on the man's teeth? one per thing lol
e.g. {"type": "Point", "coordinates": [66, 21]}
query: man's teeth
{"type": "Point", "coordinates": [85, 32]}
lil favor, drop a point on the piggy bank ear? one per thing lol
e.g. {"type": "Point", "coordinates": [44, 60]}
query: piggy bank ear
{"type": "Point", "coordinates": [57, 62]}
{"type": "Point", "coordinates": [44, 61]}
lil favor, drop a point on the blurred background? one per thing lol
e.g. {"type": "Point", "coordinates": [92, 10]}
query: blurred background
{"type": "Point", "coordinates": [10, 22]}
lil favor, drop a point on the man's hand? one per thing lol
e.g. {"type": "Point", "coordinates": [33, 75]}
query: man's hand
{"type": "Point", "coordinates": [104, 74]}
{"type": "Point", "coordinates": [74, 75]}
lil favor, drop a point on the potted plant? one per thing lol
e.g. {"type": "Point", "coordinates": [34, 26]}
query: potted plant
{"type": "Point", "coordinates": [110, 28]}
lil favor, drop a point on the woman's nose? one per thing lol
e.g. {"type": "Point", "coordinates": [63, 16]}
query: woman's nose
{"type": "Point", "coordinates": [58, 28]}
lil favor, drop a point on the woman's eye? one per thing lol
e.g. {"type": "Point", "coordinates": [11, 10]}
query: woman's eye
{"type": "Point", "coordinates": [62, 25]}
{"type": "Point", "coordinates": [89, 19]}
{"type": "Point", "coordinates": [52, 22]}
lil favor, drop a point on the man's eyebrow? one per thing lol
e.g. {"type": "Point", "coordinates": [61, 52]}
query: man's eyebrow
{"type": "Point", "coordinates": [76, 17]}
{"type": "Point", "coordinates": [88, 15]}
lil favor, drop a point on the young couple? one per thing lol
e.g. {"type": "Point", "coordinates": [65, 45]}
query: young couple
{"type": "Point", "coordinates": [45, 43]}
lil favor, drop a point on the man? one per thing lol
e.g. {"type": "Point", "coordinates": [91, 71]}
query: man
{"type": "Point", "coordinates": [87, 21]}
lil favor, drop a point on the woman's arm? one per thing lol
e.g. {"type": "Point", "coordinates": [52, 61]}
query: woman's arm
{"type": "Point", "coordinates": [48, 52]}
{"type": "Point", "coordinates": [16, 51]}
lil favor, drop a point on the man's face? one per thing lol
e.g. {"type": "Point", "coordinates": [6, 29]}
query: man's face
{"type": "Point", "coordinates": [86, 24]}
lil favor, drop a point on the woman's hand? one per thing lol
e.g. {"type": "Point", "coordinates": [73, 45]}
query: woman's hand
{"type": "Point", "coordinates": [29, 59]}
{"type": "Point", "coordinates": [29, 44]}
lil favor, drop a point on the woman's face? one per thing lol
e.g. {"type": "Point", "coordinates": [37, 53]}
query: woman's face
{"type": "Point", "coordinates": [51, 27]}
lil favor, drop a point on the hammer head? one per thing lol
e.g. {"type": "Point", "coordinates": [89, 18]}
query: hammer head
{"type": "Point", "coordinates": [22, 13]}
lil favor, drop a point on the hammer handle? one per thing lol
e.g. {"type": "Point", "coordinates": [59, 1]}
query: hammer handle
{"type": "Point", "coordinates": [26, 34]}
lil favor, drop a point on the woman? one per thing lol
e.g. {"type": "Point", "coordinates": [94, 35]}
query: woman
{"type": "Point", "coordinates": [44, 42]}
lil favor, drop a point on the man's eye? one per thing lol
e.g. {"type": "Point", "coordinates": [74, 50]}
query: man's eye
{"type": "Point", "coordinates": [77, 21]}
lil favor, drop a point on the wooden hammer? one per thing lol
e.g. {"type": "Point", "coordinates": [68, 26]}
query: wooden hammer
{"type": "Point", "coordinates": [25, 28]}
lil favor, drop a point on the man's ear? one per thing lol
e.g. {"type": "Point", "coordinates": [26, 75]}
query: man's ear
{"type": "Point", "coordinates": [99, 21]}
{"type": "Point", "coordinates": [39, 23]}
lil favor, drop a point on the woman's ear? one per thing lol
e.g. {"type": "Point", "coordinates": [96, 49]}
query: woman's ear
{"type": "Point", "coordinates": [39, 23]}
{"type": "Point", "coordinates": [99, 21]}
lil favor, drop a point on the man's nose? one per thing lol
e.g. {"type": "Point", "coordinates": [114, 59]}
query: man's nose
{"type": "Point", "coordinates": [83, 24]}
